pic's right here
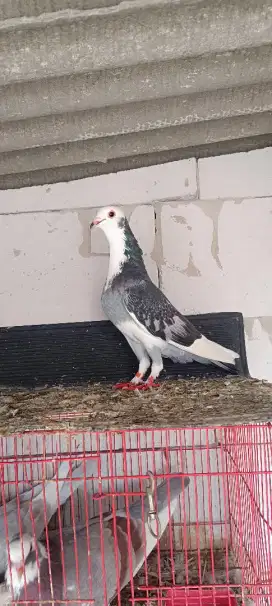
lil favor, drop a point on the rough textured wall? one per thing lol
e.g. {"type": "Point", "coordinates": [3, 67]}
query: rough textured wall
{"type": "Point", "coordinates": [205, 228]}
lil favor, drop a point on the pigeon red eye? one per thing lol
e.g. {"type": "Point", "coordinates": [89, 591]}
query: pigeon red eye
{"type": "Point", "coordinates": [111, 214]}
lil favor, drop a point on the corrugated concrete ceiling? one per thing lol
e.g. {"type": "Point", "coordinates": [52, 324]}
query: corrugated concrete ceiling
{"type": "Point", "coordinates": [90, 86]}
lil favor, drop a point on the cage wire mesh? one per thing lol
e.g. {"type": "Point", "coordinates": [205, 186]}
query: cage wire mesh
{"type": "Point", "coordinates": [217, 545]}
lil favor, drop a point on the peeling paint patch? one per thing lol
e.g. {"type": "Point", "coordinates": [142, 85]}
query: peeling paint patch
{"type": "Point", "coordinates": [191, 269]}
{"type": "Point", "coordinates": [264, 322]}
{"type": "Point", "coordinates": [212, 210]}
{"type": "Point", "coordinates": [258, 331]}
{"type": "Point", "coordinates": [249, 326]}
{"type": "Point", "coordinates": [85, 247]}
{"type": "Point", "coordinates": [16, 252]}
{"type": "Point", "coordinates": [180, 220]}
{"type": "Point", "coordinates": [157, 252]}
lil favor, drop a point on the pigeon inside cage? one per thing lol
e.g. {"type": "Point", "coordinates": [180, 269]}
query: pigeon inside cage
{"type": "Point", "coordinates": [137, 517]}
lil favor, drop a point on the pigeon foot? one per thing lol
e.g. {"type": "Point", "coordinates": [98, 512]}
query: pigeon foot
{"type": "Point", "coordinates": [129, 386]}
{"type": "Point", "coordinates": [141, 386]}
{"type": "Point", "coordinates": [149, 383]}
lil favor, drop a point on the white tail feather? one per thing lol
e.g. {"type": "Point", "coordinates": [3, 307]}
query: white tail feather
{"type": "Point", "coordinates": [204, 348]}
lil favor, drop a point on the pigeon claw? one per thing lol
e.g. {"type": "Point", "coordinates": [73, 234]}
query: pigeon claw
{"type": "Point", "coordinates": [128, 386]}
{"type": "Point", "coordinates": [141, 386]}
{"type": "Point", "coordinates": [150, 383]}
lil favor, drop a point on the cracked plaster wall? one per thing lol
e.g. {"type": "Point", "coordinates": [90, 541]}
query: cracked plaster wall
{"type": "Point", "coordinates": [205, 228]}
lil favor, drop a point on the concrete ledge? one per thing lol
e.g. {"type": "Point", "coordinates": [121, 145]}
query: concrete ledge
{"type": "Point", "coordinates": [105, 150]}
{"type": "Point", "coordinates": [74, 172]}
{"type": "Point", "coordinates": [196, 402]}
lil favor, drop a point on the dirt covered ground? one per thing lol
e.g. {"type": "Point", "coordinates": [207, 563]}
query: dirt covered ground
{"type": "Point", "coordinates": [178, 403]}
{"type": "Point", "coordinates": [189, 570]}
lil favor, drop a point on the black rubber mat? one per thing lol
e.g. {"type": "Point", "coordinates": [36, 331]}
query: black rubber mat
{"type": "Point", "coordinates": [83, 352]}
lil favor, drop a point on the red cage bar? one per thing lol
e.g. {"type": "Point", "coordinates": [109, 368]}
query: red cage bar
{"type": "Point", "coordinates": [216, 548]}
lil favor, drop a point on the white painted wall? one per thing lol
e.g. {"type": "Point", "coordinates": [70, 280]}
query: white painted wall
{"type": "Point", "coordinates": [205, 228]}
{"type": "Point", "coordinates": [206, 231]}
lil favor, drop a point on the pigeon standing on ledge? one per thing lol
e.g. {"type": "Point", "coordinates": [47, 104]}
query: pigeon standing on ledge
{"type": "Point", "coordinates": [152, 326]}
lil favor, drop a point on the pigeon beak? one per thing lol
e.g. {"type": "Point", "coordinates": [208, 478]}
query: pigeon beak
{"type": "Point", "coordinates": [95, 222]}
{"type": "Point", "coordinates": [20, 570]}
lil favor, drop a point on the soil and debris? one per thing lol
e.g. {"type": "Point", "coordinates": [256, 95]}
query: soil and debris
{"type": "Point", "coordinates": [190, 402]}
{"type": "Point", "coordinates": [188, 572]}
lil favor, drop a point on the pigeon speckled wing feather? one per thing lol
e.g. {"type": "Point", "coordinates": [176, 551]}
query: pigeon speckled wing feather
{"type": "Point", "coordinates": [152, 310]}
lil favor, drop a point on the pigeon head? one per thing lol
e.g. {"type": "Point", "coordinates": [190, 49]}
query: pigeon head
{"type": "Point", "coordinates": [19, 550]}
{"type": "Point", "coordinates": [110, 220]}
{"type": "Point", "coordinates": [24, 567]}
{"type": "Point", "coordinates": [125, 251]}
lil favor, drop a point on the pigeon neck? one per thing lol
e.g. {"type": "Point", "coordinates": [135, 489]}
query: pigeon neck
{"type": "Point", "coordinates": [124, 251]}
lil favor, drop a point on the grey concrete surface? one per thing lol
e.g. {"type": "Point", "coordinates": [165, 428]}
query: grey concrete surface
{"type": "Point", "coordinates": [138, 83]}
{"type": "Point", "coordinates": [84, 83]}
{"type": "Point", "coordinates": [134, 144]}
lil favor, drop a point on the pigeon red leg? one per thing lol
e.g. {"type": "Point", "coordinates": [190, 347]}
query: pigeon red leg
{"type": "Point", "coordinates": [137, 383]}
{"type": "Point", "coordinates": [131, 385]}
{"type": "Point", "coordinates": [156, 369]}
{"type": "Point", "coordinates": [144, 363]}
{"type": "Point", "coordinates": [149, 384]}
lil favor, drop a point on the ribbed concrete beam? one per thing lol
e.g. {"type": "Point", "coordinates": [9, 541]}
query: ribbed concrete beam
{"type": "Point", "coordinates": [81, 171]}
{"type": "Point", "coordinates": [139, 83]}
{"type": "Point", "coordinates": [107, 122]}
{"type": "Point", "coordinates": [96, 85]}
{"type": "Point", "coordinates": [81, 43]}
{"type": "Point", "coordinates": [136, 144]}
{"type": "Point", "coordinates": [14, 9]}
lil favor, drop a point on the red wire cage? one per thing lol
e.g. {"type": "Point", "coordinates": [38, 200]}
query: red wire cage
{"type": "Point", "coordinates": [217, 545]}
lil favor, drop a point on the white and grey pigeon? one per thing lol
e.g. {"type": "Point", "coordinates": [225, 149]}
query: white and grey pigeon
{"type": "Point", "coordinates": [153, 327]}
{"type": "Point", "coordinates": [117, 549]}
{"type": "Point", "coordinates": [43, 501]}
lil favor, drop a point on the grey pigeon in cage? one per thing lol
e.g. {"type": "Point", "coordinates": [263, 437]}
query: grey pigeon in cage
{"type": "Point", "coordinates": [153, 327]}
{"type": "Point", "coordinates": [126, 545]}
{"type": "Point", "coordinates": [31, 507]}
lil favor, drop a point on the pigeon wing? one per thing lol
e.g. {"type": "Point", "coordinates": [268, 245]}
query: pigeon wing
{"type": "Point", "coordinates": [150, 307]}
